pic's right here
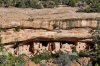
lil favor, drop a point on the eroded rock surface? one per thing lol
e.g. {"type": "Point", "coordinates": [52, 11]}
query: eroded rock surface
{"type": "Point", "coordinates": [22, 35]}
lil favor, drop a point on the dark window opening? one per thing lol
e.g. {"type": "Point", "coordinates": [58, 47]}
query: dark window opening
{"type": "Point", "coordinates": [44, 43]}
{"type": "Point", "coordinates": [69, 42]}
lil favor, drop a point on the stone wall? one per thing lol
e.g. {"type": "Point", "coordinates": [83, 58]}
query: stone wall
{"type": "Point", "coordinates": [30, 49]}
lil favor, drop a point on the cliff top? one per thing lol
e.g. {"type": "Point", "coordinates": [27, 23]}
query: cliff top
{"type": "Point", "coordinates": [21, 14]}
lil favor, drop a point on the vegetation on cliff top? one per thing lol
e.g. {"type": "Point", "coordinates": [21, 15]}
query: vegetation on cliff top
{"type": "Point", "coordinates": [84, 5]}
{"type": "Point", "coordinates": [37, 3]}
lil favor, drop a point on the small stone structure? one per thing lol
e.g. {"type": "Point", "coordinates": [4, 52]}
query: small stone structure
{"type": "Point", "coordinates": [9, 49]}
{"type": "Point", "coordinates": [35, 47]}
{"type": "Point", "coordinates": [81, 46]}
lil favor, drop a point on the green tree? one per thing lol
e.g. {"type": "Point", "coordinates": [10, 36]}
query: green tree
{"type": "Point", "coordinates": [72, 3]}
{"type": "Point", "coordinates": [66, 2]}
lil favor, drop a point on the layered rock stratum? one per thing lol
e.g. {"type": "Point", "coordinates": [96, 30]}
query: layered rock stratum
{"type": "Point", "coordinates": [57, 24]}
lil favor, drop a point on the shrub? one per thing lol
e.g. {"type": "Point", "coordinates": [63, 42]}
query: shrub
{"type": "Point", "coordinates": [90, 2]}
{"type": "Point", "coordinates": [17, 28]}
{"type": "Point", "coordinates": [20, 61]}
{"type": "Point", "coordinates": [38, 57]}
{"type": "Point", "coordinates": [93, 6]}
{"type": "Point", "coordinates": [64, 59]}
{"type": "Point", "coordinates": [36, 3]}
{"type": "Point", "coordinates": [96, 7]}
{"type": "Point", "coordinates": [60, 57]}
{"type": "Point", "coordinates": [57, 2]}
{"type": "Point", "coordinates": [30, 19]}
{"type": "Point", "coordinates": [11, 60]}
{"type": "Point", "coordinates": [49, 4]}
{"type": "Point", "coordinates": [96, 64]}
{"type": "Point", "coordinates": [83, 54]}
{"type": "Point", "coordinates": [66, 2]}
{"type": "Point", "coordinates": [72, 3]}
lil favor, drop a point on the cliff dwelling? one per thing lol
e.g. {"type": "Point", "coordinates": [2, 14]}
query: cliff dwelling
{"type": "Point", "coordinates": [51, 35]}
{"type": "Point", "coordinates": [30, 48]}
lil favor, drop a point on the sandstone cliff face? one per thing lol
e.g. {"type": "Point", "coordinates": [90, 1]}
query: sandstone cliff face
{"type": "Point", "coordinates": [51, 24]}
{"type": "Point", "coordinates": [22, 35]}
{"type": "Point", "coordinates": [55, 30]}
{"type": "Point", "coordinates": [46, 24]}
